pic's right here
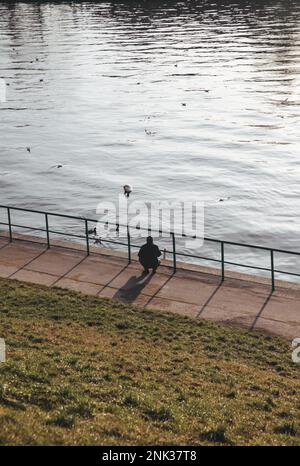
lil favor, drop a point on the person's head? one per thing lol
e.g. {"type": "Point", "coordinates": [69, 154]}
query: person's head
{"type": "Point", "coordinates": [149, 240]}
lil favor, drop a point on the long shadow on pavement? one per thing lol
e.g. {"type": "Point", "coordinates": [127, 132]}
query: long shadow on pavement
{"type": "Point", "coordinates": [209, 300]}
{"type": "Point", "coordinates": [132, 288]}
{"type": "Point", "coordinates": [261, 311]}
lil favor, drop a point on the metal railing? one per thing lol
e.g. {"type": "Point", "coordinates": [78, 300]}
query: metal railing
{"type": "Point", "coordinates": [86, 236]}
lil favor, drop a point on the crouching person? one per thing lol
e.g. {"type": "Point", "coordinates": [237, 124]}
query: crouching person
{"type": "Point", "coordinates": [148, 255]}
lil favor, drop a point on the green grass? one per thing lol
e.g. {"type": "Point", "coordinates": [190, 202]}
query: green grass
{"type": "Point", "coordinates": [84, 370]}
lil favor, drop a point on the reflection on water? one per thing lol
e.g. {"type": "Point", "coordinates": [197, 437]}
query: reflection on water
{"type": "Point", "coordinates": [180, 99]}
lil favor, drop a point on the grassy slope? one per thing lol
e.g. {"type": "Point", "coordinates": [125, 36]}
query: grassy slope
{"type": "Point", "coordinates": [81, 370]}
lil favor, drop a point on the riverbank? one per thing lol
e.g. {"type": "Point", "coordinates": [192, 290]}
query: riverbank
{"type": "Point", "coordinates": [86, 370]}
{"type": "Point", "coordinates": [193, 291]}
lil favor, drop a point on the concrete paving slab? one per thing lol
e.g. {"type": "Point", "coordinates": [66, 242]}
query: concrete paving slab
{"type": "Point", "coordinates": [186, 309]}
{"type": "Point", "coordinates": [3, 242]}
{"type": "Point", "coordinates": [197, 275]}
{"type": "Point", "coordinates": [7, 270]}
{"type": "Point", "coordinates": [188, 290]}
{"type": "Point", "coordinates": [234, 319]}
{"type": "Point", "coordinates": [34, 277]}
{"type": "Point", "coordinates": [107, 292]}
{"type": "Point", "coordinates": [278, 304]}
{"type": "Point", "coordinates": [138, 300]}
{"type": "Point", "coordinates": [132, 280]}
{"type": "Point", "coordinates": [83, 287]}
{"type": "Point", "coordinates": [56, 261]}
{"type": "Point", "coordinates": [19, 254]}
{"type": "Point", "coordinates": [239, 300]}
{"type": "Point", "coordinates": [109, 259]}
{"type": "Point", "coordinates": [278, 327]}
{"type": "Point", "coordinates": [93, 270]}
{"type": "Point", "coordinates": [227, 300]}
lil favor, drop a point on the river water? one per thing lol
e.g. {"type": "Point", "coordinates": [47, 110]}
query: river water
{"type": "Point", "coordinates": [184, 100]}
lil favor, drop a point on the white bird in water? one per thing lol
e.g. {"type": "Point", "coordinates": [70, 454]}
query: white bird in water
{"type": "Point", "coordinates": [127, 190]}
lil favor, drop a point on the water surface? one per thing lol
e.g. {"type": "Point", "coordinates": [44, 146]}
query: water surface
{"type": "Point", "coordinates": [99, 88]}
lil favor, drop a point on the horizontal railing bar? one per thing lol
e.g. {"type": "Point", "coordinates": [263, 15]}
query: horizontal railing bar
{"type": "Point", "coordinates": [50, 231]}
{"type": "Point", "coordinates": [210, 259]}
{"type": "Point", "coordinates": [247, 266]}
{"type": "Point", "coordinates": [33, 211]}
{"type": "Point", "coordinates": [73, 217]}
{"type": "Point", "coordinates": [137, 246]}
{"type": "Point", "coordinates": [55, 214]}
{"type": "Point", "coordinates": [125, 244]}
{"type": "Point", "coordinates": [287, 273]}
{"type": "Point", "coordinates": [251, 246]}
{"type": "Point", "coordinates": [112, 242]}
{"type": "Point", "coordinates": [182, 254]}
{"type": "Point", "coordinates": [73, 235]}
{"type": "Point", "coordinates": [196, 257]}
{"type": "Point", "coordinates": [26, 227]}
{"type": "Point", "coordinates": [226, 262]}
{"type": "Point", "coordinates": [61, 233]}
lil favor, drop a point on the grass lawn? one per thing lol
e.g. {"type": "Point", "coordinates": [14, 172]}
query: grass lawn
{"type": "Point", "coordinates": [85, 370]}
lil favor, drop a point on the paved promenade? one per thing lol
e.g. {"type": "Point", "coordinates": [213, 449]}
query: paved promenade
{"type": "Point", "coordinates": [194, 293]}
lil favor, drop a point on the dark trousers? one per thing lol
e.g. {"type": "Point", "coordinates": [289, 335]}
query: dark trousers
{"type": "Point", "coordinates": [149, 264]}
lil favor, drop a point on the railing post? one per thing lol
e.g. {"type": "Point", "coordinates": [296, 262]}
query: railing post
{"type": "Point", "coordinates": [128, 245]}
{"type": "Point", "coordinates": [272, 269]}
{"type": "Point", "coordinates": [222, 260]}
{"type": "Point", "coordinates": [165, 253]}
{"type": "Point", "coordinates": [174, 252]}
{"type": "Point", "coordinates": [9, 225]}
{"type": "Point", "coordinates": [47, 230]}
{"type": "Point", "coordinates": [87, 237]}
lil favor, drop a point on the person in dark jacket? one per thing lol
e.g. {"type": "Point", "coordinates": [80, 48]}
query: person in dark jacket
{"type": "Point", "coordinates": [148, 255]}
